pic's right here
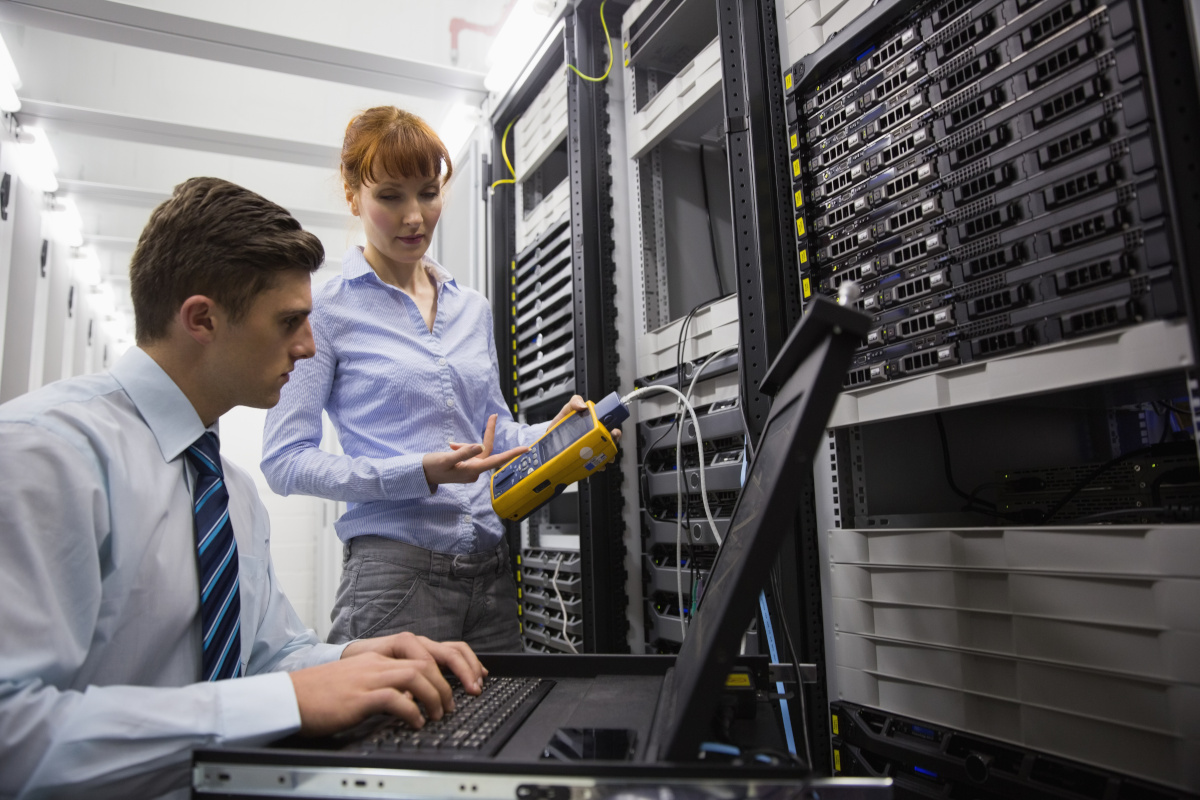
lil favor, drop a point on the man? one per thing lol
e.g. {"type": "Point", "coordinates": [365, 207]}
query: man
{"type": "Point", "coordinates": [135, 567]}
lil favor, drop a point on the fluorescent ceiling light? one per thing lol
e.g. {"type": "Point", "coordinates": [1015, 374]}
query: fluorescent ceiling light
{"type": "Point", "coordinates": [65, 223]}
{"type": "Point", "coordinates": [457, 127]}
{"type": "Point", "coordinates": [523, 31]}
{"type": "Point", "coordinates": [37, 163]}
{"type": "Point", "coordinates": [8, 69]}
{"type": "Point", "coordinates": [101, 301]}
{"type": "Point", "coordinates": [8, 98]}
{"type": "Point", "coordinates": [85, 266]}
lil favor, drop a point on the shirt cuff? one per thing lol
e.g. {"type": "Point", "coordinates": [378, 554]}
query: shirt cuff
{"type": "Point", "coordinates": [258, 709]}
{"type": "Point", "coordinates": [404, 478]}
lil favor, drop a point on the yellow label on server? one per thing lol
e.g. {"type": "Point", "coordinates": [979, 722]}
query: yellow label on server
{"type": "Point", "coordinates": [737, 679]}
{"type": "Point", "coordinates": [837, 760]}
{"type": "Point", "coordinates": [795, 140]}
{"type": "Point", "coordinates": [807, 292]}
{"type": "Point", "coordinates": [800, 226]}
{"type": "Point", "coordinates": [804, 256]}
{"type": "Point", "coordinates": [787, 81]}
{"type": "Point", "coordinates": [835, 727]}
{"type": "Point", "coordinates": [799, 198]}
{"type": "Point", "coordinates": [795, 167]}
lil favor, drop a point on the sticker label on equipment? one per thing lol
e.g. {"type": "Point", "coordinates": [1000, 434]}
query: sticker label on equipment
{"type": "Point", "coordinates": [585, 453]}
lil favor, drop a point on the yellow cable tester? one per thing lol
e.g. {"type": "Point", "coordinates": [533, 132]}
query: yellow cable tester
{"type": "Point", "coordinates": [575, 447]}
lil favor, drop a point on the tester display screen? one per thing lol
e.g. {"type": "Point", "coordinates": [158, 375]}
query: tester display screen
{"type": "Point", "coordinates": [561, 437]}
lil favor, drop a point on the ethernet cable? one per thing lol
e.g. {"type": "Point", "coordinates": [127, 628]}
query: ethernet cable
{"type": "Point", "coordinates": [679, 478]}
{"type": "Point", "coordinates": [646, 390]}
{"type": "Point", "coordinates": [562, 605]}
{"type": "Point", "coordinates": [608, 39]}
{"type": "Point", "coordinates": [504, 152]}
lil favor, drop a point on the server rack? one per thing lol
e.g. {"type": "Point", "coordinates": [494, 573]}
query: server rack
{"type": "Point", "coordinates": [1008, 500]}
{"type": "Point", "coordinates": [552, 257]}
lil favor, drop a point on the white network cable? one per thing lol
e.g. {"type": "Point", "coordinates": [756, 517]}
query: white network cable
{"type": "Point", "coordinates": [562, 606]}
{"type": "Point", "coordinates": [684, 400]}
{"type": "Point", "coordinates": [679, 477]}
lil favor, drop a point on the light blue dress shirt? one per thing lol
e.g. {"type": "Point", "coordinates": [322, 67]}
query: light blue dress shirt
{"type": "Point", "coordinates": [394, 391]}
{"type": "Point", "coordinates": [100, 651]}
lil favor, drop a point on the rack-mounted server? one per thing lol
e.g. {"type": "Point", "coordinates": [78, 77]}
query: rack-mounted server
{"type": "Point", "coordinates": [990, 176]}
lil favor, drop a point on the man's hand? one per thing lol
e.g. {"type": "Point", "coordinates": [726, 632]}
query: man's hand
{"type": "Point", "coordinates": [464, 463]}
{"type": "Point", "coordinates": [385, 675]}
{"type": "Point", "coordinates": [457, 657]}
{"type": "Point", "coordinates": [337, 695]}
{"type": "Point", "coordinates": [575, 404]}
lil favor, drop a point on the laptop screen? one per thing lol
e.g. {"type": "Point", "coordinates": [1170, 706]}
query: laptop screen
{"type": "Point", "coordinates": [817, 359]}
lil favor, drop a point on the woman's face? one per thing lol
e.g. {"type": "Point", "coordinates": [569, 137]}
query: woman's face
{"type": "Point", "coordinates": [399, 215]}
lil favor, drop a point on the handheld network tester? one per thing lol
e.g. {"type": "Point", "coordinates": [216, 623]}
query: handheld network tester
{"type": "Point", "coordinates": [571, 450]}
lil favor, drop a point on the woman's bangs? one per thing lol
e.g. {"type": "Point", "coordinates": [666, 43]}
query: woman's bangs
{"type": "Point", "coordinates": [405, 154]}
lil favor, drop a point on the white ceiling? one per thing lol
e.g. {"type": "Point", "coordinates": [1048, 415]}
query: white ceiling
{"type": "Point", "coordinates": [137, 96]}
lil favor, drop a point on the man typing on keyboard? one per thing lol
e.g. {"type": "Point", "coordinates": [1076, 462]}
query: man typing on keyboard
{"type": "Point", "coordinates": [141, 615]}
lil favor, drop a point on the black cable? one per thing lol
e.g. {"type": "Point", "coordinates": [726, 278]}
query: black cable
{"type": "Point", "coordinates": [970, 498]}
{"type": "Point", "coordinates": [712, 234]}
{"type": "Point", "coordinates": [776, 583]}
{"type": "Point", "coordinates": [1181, 513]}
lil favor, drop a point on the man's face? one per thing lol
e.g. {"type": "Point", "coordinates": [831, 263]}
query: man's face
{"type": "Point", "coordinates": [261, 349]}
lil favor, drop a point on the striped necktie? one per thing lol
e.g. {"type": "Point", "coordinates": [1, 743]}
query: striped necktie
{"type": "Point", "coordinates": [217, 558]}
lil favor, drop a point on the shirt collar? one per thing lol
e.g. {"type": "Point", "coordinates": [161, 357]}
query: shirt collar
{"type": "Point", "coordinates": [354, 266]}
{"type": "Point", "coordinates": [163, 405]}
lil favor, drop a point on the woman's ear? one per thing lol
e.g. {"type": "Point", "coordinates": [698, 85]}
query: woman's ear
{"type": "Point", "coordinates": [351, 198]}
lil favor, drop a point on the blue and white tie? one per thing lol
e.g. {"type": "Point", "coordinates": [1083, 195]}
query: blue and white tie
{"type": "Point", "coordinates": [217, 557]}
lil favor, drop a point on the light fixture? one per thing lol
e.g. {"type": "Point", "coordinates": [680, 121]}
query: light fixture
{"type": "Point", "coordinates": [85, 266]}
{"type": "Point", "coordinates": [523, 31]}
{"type": "Point", "coordinates": [10, 81]}
{"type": "Point", "coordinates": [64, 222]}
{"type": "Point", "coordinates": [101, 301]}
{"type": "Point", "coordinates": [457, 127]}
{"type": "Point", "coordinates": [36, 162]}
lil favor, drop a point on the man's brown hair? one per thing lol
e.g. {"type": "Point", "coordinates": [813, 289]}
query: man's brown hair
{"type": "Point", "coordinates": [213, 238]}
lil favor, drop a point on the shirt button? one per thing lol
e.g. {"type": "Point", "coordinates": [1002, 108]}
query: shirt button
{"type": "Point", "coordinates": [450, 403]}
{"type": "Point", "coordinates": [441, 362]}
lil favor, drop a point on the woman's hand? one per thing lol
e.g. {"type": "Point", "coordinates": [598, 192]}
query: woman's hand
{"type": "Point", "coordinates": [464, 463]}
{"type": "Point", "coordinates": [576, 404]}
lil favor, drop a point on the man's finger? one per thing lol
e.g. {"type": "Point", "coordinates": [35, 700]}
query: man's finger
{"type": "Point", "coordinates": [460, 659]}
{"type": "Point", "coordinates": [423, 681]}
{"type": "Point", "coordinates": [397, 703]}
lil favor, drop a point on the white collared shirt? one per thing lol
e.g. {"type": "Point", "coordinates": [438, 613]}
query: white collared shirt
{"type": "Point", "coordinates": [100, 651]}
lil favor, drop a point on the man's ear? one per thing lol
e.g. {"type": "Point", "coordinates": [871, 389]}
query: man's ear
{"type": "Point", "coordinates": [351, 198]}
{"type": "Point", "coordinates": [198, 316]}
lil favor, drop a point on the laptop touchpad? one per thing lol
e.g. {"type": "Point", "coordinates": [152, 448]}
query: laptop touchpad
{"type": "Point", "coordinates": [591, 744]}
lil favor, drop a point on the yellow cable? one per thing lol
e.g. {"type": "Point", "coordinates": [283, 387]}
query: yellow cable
{"type": "Point", "coordinates": [608, 39]}
{"type": "Point", "coordinates": [504, 151]}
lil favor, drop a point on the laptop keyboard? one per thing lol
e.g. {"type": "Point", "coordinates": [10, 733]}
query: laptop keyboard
{"type": "Point", "coordinates": [479, 725]}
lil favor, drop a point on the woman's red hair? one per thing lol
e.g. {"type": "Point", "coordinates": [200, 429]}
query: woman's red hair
{"type": "Point", "coordinates": [386, 140]}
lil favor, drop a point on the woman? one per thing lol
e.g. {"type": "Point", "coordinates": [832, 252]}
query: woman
{"type": "Point", "coordinates": [406, 368]}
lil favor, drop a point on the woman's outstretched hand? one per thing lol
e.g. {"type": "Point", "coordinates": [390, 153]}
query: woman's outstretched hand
{"type": "Point", "coordinates": [464, 463]}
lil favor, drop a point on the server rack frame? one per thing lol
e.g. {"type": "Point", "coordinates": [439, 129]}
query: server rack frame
{"type": "Point", "coordinates": [579, 41]}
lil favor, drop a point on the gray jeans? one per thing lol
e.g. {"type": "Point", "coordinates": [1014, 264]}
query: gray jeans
{"type": "Point", "coordinates": [390, 587]}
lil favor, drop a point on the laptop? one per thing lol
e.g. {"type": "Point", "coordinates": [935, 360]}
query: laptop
{"type": "Point", "coordinates": [643, 710]}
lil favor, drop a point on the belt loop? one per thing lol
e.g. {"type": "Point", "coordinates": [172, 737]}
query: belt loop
{"type": "Point", "coordinates": [346, 552]}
